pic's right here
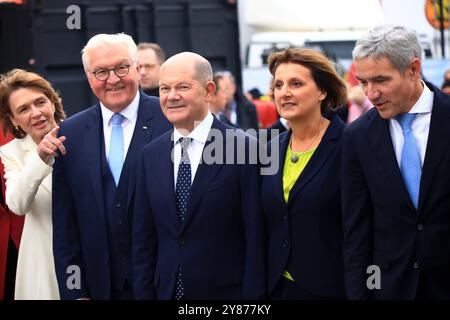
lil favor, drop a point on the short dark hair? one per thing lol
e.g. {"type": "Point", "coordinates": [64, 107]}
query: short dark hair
{"type": "Point", "coordinates": [17, 79]}
{"type": "Point", "coordinates": [160, 55]}
{"type": "Point", "coordinates": [322, 70]}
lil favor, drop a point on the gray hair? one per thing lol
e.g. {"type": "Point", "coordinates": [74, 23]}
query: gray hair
{"type": "Point", "coordinates": [108, 39]}
{"type": "Point", "coordinates": [203, 71]}
{"type": "Point", "coordinates": [396, 43]}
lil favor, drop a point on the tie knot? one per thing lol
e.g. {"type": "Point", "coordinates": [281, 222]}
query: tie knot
{"type": "Point", "coordinates": [184, 142]}
{"type": "Point", "coordinates": [405, 120]}
{"type": "Point", "coordinates": [116, 119]}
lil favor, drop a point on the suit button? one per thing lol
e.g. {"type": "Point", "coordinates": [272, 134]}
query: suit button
{"type": "Point", "coordinates": [118, 204]}
{"type": "Point", "coordinates": [285, 243]}
{"type": "Point", "coordinates": [419, 227]}
{"type": "Point", "coordinates": [181, 242]}
{"type": "Point", "coordinates": [173, 275]}
{"type": "Point", "coordinates": [285, 218]}
{"type": "Point", "coordinates": [106, 262]}
{"type": "Point", "coordinates": [119, 222]}
{"type": "Point", "coordinates": [416, 265]}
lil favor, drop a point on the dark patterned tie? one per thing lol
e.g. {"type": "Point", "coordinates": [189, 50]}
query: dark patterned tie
{"type": "Point", "coordinates": [182, 191]}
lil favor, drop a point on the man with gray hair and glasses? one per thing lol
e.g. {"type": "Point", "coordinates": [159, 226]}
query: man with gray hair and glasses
{"type": "Point", "coordinates": [396, 174]}
{"type": "Point", "coordinates": [94, 183]}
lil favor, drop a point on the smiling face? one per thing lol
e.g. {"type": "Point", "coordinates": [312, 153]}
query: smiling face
{"type": "Point", "coordinates": [295, 91]}
{"type": "Point", "coordinates": [115, 93]}
{"type": "Point", "coordinates": [32, 111]}
{"type": "Point", "coordinates": [389, 90]}
{"type": "Point", "coordinates": [184, 100]}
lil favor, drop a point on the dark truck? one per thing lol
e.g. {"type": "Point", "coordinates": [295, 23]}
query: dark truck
{"type": "Point", "coordinates": [46, 36]}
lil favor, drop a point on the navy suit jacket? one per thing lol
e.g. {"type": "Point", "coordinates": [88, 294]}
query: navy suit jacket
{"type": "Point", "coordinates": [220, 245]}
{"type": "Point", "coordinates": [381, 225]}
{"type": "Point", "coordinates": [79, 222]}
{"type": "Point", "coordinates": [305, 235]}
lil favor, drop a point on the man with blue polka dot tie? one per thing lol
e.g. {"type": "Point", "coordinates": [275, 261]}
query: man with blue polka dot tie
{"type": "Point", "coordinates": [198, 224]}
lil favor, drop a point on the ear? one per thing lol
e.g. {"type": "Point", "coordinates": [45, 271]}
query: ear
{"type": "Point", "coordinates": [414, 69]}
{"type": "Point", "coordinates": [210, 89]}
{"type": "Point", "coordinates": [323, 95]}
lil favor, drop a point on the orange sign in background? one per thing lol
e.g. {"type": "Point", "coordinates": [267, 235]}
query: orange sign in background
{"type": "Point", "coordinates": [433, 13]}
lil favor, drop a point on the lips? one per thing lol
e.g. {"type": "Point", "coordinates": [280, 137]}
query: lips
{"type": "Point", "coordinates": [287, 104]}
{"type": "Point", "coordinates": [175, 107]}
{"type": "Point", "coordinates": [114, 89]}
{"type": "Point", "coordinates": [39, 124]}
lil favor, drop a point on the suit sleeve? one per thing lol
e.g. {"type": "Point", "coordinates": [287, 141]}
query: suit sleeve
{"type": "Point", "coordinates": [144, 239]}
{"type": "Point", "coordinates": [22, 184]}
{"type": "Point", "coordinates": [357, 223]}
{"type": "Point", "coordinates": [66, 240]}
{"type": "Point", "coordinates": [254, 285]}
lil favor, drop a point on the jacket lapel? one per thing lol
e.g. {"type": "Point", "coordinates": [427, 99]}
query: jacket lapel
{"type": "Point", "coordinates": [377, 131]}
{"type": "Point", "coordinates": [93, 139]}
{"type": "Point", "coordinates": [166, 177]}
{"type": "Point", "coordinates": [29, 147]}
{"type": "Point", "coordinates": [278, 178]}
{"type": "Point", "coordinates": [141, 136]}
{"type": "Point", "coordinates": [205, 174]}
{"type": "Point", "coordinates": [436, 145]}
{"type": "Point", "coordinates": [319, 158]}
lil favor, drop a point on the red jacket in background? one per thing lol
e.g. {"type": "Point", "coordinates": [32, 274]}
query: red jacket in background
{"type": "Point", "coordinates": [10, 225]}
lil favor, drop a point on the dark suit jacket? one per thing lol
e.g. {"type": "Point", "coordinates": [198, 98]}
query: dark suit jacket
{"type": "Point", "coordinates": [79, 222]}
{"type": "Point", "coordinates": [305, 235]}
{"type": "Point", "coordinates": [381, 225]}
{"type": "Point", "coordinates": [246, 115]}
{"type": "Point", "coordinates": [220, 245]}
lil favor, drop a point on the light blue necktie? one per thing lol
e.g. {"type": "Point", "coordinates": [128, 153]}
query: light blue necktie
{"type": "Point", "coordinates": [116, 153]}
{"type": "Point", "coordinates": [410, 164]}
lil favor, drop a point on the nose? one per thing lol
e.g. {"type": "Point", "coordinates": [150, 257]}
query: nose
{"type": "Point", "coordinates": [284, 91]}
{"type": "Point", "coordinates": [112, 77]}
{"type": "Point", "coordinates": [173, 94]}
{"type": "Point", "coordinates": [372, 92]}
{"type": "Point", "coordinates": [35, 112]}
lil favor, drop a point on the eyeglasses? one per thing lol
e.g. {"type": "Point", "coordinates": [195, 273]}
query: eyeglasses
{"type": "Point", "coordinates": [120, 71]}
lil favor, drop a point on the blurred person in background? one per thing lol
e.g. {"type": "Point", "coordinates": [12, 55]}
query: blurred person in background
{"type": "Point", "coordinates": [150, 57]}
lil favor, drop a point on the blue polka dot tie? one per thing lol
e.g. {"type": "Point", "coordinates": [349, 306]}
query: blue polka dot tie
{"type": "Point", "coordinates": [116, 153]}
{"type": "Point", "coordinates": [182, 191]}
{"type": "Point", "coordinates": [410, 164]}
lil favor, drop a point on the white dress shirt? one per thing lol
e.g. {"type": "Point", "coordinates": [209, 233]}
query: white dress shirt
{"type": "Point", "coordinates": [420, 126]}
{"type": "Point", "coordinates": [195, 149]}
{"type": "Point", "coordinates": [128, 124]}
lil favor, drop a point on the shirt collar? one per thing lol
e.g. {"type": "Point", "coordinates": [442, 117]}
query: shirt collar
{"type": "Point", "coordinates": [425, 102]}
{"type": "Point", "coordinates": [129, 112]}
{"type": "Point", "coordinates": [200, 132]}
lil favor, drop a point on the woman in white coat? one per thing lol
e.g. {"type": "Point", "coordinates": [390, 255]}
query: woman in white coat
{"type": "Point", "coordinates": [30, 109]}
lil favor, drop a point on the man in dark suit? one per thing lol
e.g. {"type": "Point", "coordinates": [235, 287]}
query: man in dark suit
{"type": "Point", "coordinates": [198, 226]}
{"type": "Point", "coordinates": [395, 180]}
{"type": "Point", "coordinates": [239, 111]}
{"type": "Point", "coordinates": [94, 183]}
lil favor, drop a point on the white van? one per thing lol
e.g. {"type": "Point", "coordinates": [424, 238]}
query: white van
{"type": "Point", "coordinates": [337, 45]}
